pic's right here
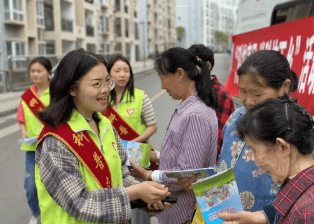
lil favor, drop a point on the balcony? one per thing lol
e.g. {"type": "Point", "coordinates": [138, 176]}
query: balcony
{"type": "Point", "coordinates": [104, 6]}
{"type": "Point", "coordinates": [14, 17]}
{"type": "Point", "coordinates": [67, 24]}
{"type": "Point", "coordinates": [89, 30]}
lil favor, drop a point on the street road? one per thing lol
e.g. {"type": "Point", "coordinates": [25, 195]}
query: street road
{"type": "Point", "coordinates": [13, 205]}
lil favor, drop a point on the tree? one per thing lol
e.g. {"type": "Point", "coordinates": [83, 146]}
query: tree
{"type": "Point", "coordinates": [180, 32]}
{"type": "Point", "coordinates": [221, 36]}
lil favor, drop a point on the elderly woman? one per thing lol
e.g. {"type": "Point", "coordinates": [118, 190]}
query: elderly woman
{"type": "Point", "coordinates": [281, 136]}
{"type": "Point", "coordinates": [191, 138]}
{"type": "Point", "coordinates": [263, 75]}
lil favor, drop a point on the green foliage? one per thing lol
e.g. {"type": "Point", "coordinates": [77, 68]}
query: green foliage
{"type": "Point", "coordinates": [221, 36]}
{"type": "Point", "coordinates": [180, 30]}
{"type": "Point", "coordinates": [219, 180]}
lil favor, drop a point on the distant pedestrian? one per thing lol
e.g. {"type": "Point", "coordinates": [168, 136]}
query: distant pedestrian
{"type": "Point", "coordinates": [40, 73]}
{"type": "Point", "coordinates": [225, 102]}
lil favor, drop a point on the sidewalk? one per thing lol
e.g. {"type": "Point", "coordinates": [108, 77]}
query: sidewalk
{"type": "Point", "coordinates": [9, 101]}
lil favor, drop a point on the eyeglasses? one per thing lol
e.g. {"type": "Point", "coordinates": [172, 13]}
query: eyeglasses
{"type": "Point", "coordinates": [110, 84]}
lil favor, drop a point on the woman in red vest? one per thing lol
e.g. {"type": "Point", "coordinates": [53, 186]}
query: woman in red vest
{"type": "Point", "coordinates": [80, 170]}
{"type": "Point", "coordinates": [40, 73]}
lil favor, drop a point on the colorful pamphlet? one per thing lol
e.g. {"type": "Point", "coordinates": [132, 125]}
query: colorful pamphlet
{"type": "Point", "coordinates": [138, 152]}
{"type": "Point", "coordinates": [199, 173]}
{"type": "Point", "coordinates": [28, 141]}
{"type": "Point", "coordinates": [217, 194]}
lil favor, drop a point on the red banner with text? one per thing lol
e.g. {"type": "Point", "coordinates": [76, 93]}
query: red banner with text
{"type": "Point", "coordinates": [293, 39]}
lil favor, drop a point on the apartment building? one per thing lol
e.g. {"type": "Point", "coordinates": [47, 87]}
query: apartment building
{"type": "Point", "coordinates": [2, 51]}
{"type": "Point", "coordinates": [52, 28]}
{"type": "Point", "coordinates": [157, 26]}
{"type": "Point", "coordinates": [188, 16]}
{"type": "Point", "coordinates": [126, 33]}
{"type": "Point", "coordinates": [2, 39]}
{"type": "Point", "coordinates": [217, 16]}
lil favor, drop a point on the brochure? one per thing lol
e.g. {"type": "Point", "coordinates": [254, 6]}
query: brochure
{"type": "Point", "coordinates": [28, 141]}
{"type": "Point", "coordinates": [217, 194]}
{"type": "Point", "coordinates": [199, 173]}
{"type": "Point", "coordinates": [138, 152]}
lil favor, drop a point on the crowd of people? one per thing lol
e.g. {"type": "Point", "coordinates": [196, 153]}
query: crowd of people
{"type": "Point", "coordinates": [76, 172]}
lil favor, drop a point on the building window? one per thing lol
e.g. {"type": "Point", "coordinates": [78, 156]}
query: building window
{"type": "Point", "coordinates": [117, 6]}
{"type": "Point", "coordinates": [49, 22]}
{"type": "Point", "coordinates": [91, 48]}
{"type": "Point", "coordinates": [126, 25]}
{"type": "Point", "coordinates": [13, 10]}
{"type": "Point", "coordinates": [126, 6]}
{"type": "Point", "coordinates": [89, 23]}
{"type": "Point", "coordinates": [155, 18]}
{"type": "Point", "coordinates": [16, 48]}
{"type": "Point", "coordinates": [40, 34]}
{"type": "Point", "coordinates": [89, 1]}
{"type": "Point", "coordinates": [118, 47]}
{"type": "Point", "coordinates": [136, 31]}
{"type": "Point", "coordinates": [41, 49]}
{"type": "Point", "coordinates": [101, 25]}
{"type": "Point", "coordinates": [50, 48]}
{"type": "Point", "coordinates": [106, 23]}
{"type": "Point", "coordinates": [117, 27]}
{"type": "Point", "coordinates": [66, 24]}
{"type": "Point", "coordinates": [40, 13]}
{"type": "Point", "coordinates": [127, 47]}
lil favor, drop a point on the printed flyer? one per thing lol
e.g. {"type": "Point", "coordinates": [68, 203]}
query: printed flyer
{"type": "Point", "coordinates": [28, 141]}
{"type": "Point", "coordinates": [217, 194]}
{"type": "Point", "coordinates": [199, 173]}
{"type": "Point", "coordinates": [138, 152]}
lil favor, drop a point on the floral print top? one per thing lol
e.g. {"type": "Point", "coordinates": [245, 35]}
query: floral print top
{"type": "Point", "coordinates": [256, 188]}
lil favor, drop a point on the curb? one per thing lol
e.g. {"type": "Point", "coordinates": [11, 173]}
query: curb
{"type": "Point", "coordinates": [8, 112]}
{"type": "Point", "coordinates": [144, 71]}
{"type": "Point", "coordinates": [14, 110]}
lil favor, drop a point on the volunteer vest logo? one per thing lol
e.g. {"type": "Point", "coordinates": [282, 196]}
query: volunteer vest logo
{"type": "Point", "coordinates": [78, 138]}
{"type": "Point", "coordinates": [130, 111]}
{"type": "Point", "coordinates": [115, 148]}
